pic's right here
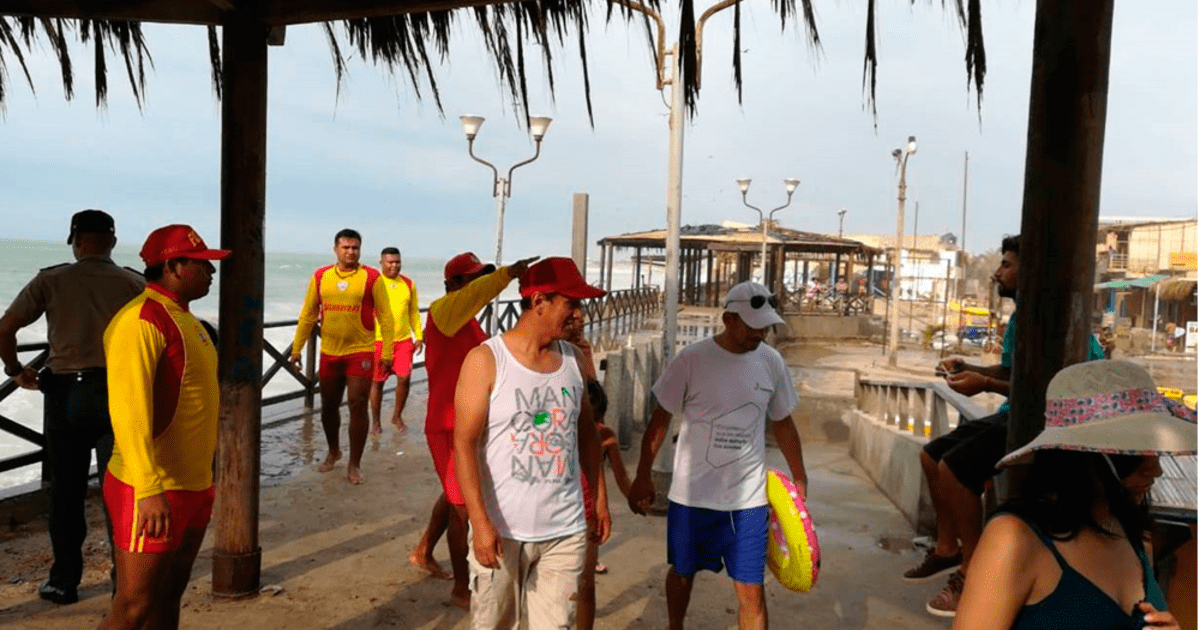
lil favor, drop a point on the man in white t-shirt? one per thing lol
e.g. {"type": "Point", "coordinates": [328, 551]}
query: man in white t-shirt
{"type": "Point", "coordinates": [724, 389]}
{"type": "Point", "coordinates": [524, 443]}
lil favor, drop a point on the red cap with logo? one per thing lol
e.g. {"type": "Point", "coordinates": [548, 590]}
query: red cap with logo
{"type": "Point", "coordinates": [557, 275]}
{"type": "Point", "coordinates": [466, 264]}
{"type": "Point", "coordinates": [177, 241]}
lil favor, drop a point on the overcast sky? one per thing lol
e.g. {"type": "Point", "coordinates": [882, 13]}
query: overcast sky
{"type": "Point", "coordinates": [378, 159]}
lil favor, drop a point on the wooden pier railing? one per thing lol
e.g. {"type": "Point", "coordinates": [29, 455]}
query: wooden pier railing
{"type": "Point", "coordinates": [604, 317]}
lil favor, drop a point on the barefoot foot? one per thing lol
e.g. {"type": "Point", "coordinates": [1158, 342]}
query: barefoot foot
{"type": "Point", "coordinates": [462, 600]}
{"type": "Point", "coordinates": [376, 429]}
{"type": "Point", "coordinates": [399, 424]}
{"type": "Point", "coordinates": [330, 462]}
{"type": "Point", "coordinates": [426, 563]}
{"type": "Point", "coordinates": [354, 475]}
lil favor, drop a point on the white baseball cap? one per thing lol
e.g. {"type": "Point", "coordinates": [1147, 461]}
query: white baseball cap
{"type": "Point", "coordinates": [754, 304]}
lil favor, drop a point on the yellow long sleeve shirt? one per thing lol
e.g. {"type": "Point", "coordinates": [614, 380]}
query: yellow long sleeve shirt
{"type": "Point", "coordinates": [456, 308]}
{"type": "Point", "coordinates": [348, 307]}
{"type": "Point", "coordinates": [406, 310]}
{"type": "Point", "coordinates": [163, 395]}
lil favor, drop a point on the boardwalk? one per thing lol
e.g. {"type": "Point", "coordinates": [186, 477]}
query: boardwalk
{"type": "Point", "coordinates": [337, 554]}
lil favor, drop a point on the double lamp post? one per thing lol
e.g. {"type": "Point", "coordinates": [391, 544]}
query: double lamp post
{"type": "Point", "coordinates": [790, 185]}
{"type": "Point", "coordinates": [502, 186]}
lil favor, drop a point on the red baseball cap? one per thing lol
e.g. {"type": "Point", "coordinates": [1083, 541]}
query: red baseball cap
{"type": "Point", "coordinates": [466, 264]}
{"type": "Point", "coordinates": [557, 275]}
{"type": "Point", "coordinates": [177, 241]}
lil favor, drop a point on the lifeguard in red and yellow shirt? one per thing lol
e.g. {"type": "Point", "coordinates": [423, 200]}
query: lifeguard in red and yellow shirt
{"type": "Point", "coordinates": [164, 401]}
{"type": "Point", "coordinates": [349, 301]}
{"type": "Point", "coordinates": [451, 331]}
{"type": "Point", "coordinates": [409, 338]}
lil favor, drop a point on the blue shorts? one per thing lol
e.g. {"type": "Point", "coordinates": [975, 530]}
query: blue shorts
{"type": "Point", "coordinates": [698, 538]}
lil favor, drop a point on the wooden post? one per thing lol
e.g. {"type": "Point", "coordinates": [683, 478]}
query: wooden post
{"type": "Point", "coordinates": [237, 557]}
{"type": "Point", "coordinates": [1059, 215]}
{"type": "Point", "coordinates": [612, 252]}
{"type": "Point", "coordinates": [635, 282]}
{"type": "Point", "coordinates": [579, 230]}
{"type": "Point", "coordinates": [603, 261]}
{"type": "Point", "coordinates": [712, 295]}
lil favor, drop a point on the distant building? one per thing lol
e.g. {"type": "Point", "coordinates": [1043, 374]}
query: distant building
{"type": "Point", "coordinates": [924, 262]}
{"type": "Point", "coordinates": [1139, 259]}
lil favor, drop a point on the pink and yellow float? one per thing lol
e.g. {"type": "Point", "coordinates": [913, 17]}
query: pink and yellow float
{"type": "Point", "coordinates": [793, 553]}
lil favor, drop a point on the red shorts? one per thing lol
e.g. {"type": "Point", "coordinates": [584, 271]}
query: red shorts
{"type": "Point", "coordinates": [359, 364]}
{"type": "Point", "coordinates": [402, 356]}
{"type": "Point", "coordinates": [441, 446]}
{"type": "Point", "coordinates": [190, 509]}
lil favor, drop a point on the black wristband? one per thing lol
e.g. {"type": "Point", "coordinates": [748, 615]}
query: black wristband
{"type": "Point", "coordinates": [20, 368]}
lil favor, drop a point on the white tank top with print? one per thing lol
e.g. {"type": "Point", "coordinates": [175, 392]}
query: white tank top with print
{"type": "Point", "coordinates": [530, 453]}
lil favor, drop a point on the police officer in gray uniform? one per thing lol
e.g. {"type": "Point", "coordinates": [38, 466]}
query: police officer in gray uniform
{"type": "Point", "coordinates": [78, 299]}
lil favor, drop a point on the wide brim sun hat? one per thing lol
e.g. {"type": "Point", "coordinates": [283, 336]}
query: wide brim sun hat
{"type": "Point", "coordinates": [1110, 407]}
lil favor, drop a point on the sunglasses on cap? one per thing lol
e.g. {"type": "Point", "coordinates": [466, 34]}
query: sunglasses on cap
{"type": "Point", "coordinates": [757, 301]}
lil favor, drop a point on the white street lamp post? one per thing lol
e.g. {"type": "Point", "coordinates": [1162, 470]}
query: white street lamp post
{"type": "Point", "coordinates": [901, 156]}
{"type": "Point", "coordinates": [744, 185]}
{"type": "Point", "coordinates": [841, 217]}
{"type": "Point", "coordinates": [502, 186]}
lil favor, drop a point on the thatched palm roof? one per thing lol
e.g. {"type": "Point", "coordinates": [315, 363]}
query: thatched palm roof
{"type": "Point", "coordinates": [1176, 289]}
{"type": "Point", "coordinates": [401, 35]}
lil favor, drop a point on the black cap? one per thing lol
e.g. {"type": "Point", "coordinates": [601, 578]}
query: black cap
{"type": "Point", "coordinates": [91, 222]}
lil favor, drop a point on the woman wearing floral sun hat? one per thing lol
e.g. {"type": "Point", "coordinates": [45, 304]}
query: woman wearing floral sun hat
{"type": "Point", "coordinates": [1070, 551]}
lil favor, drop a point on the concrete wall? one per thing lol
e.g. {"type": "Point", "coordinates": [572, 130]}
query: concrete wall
{"type": "Point", "coordinates": [628, 376]}
{"type": "Point", "coordinates": [891, 458]}
{"type": "Point", "coordinates": [830, 326]}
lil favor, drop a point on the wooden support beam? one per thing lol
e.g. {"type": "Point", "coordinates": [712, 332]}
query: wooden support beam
{"type": "Point", "coordinates": [1068, 104]}
{"type": "Point", "coordinates": [237, 557]}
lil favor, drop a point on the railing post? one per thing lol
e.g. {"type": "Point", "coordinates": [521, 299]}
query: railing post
{"type": "Point", "coordinates": [921, 413]}
{"type": "Point", "coordinates": [310, 372]}
{"type": "Point", "coordinates": [941, 419]}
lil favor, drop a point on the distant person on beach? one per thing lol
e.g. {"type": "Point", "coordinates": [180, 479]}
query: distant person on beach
{"type": "Point", "coordinates": [959, 464]}
{"type": "Point", "coordinates": [78, 300]}
{"type": "Point", "coordinates": [524, 437]}
{"type": "Point", "coordinates": [165, 401]}
{"type": "Point", "coordinates": [350, 301]}
{"type": "Point", "coordinates": [724, 390]}
{"type": "Point", "coordinates": [407, 340]}
{"type": "Point", "coordinates": [451, 331]}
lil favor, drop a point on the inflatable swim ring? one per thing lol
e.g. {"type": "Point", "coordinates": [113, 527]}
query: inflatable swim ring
{"type": "Point", "coordinates": [793, 553]}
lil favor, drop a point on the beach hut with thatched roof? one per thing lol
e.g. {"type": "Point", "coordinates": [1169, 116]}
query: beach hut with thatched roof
{"type": "Point", "coordinates": [715, 257]}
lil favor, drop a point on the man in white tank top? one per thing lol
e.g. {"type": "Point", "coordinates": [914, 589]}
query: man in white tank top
{"type": "Point", "coordinates": [523, 437]}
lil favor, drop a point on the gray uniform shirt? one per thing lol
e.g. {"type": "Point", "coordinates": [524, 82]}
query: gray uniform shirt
{"type": "Point", "coordinates": [78, 299]}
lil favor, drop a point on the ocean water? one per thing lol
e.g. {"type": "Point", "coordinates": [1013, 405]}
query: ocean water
{"type": "Point", "coordinates": [286, 280]}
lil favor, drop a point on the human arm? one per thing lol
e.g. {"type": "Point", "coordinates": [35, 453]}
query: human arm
{"type": "Point", "coordinates": [456, 308]}
{"type": "Point", "coordinates": [1154, 618]}
{"type": "Point", "coordinates": [133, 348]}
{"type": "Point", "coordinates": [384, 319]}
{"type": "Point", "coordinates": [414, 319]}
{"type": "Point", "coordinates": [307, 320]}
{"type": "Point", "coordinates": [969, 382]}
{"type": "Point", "coordinates": [28, 306]}
{"type": "Point", "coordinates": [968, 379]}
{"type": "Point", "coordinates": [788, 440]}
{"type": "Point", "coordinates": [589, 461]}
{"type": "Point", "coordinates": [9, 325]}
{"type": "Point", "coordinates": [641, 491]}
{"type": "Point", "coordinates": [470, 417]}
{"type": "Point", "coordinates": [1002, 576]}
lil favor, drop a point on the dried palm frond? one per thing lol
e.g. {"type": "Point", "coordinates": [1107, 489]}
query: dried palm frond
{"type": "Point", "coordinates": [18, 35]}
{"type": "Point", "coordinates": [412, 42]}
